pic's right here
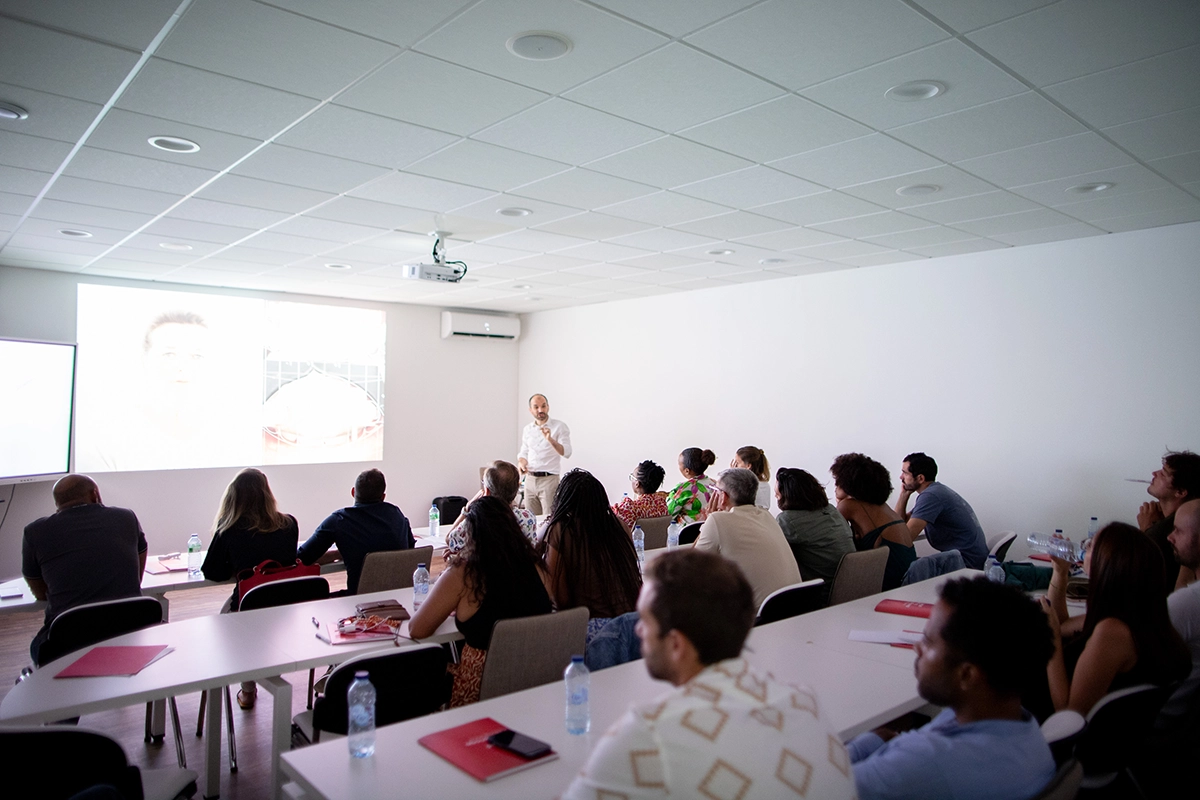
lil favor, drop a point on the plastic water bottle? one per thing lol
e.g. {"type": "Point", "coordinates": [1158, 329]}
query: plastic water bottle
{"type": "Point", "coordinates": [420, 586]}
{"type": "Point", "coordinates": [993, 570]}
{"type": "Point", "coordinates": [1093, 527]}
{"type": "Point", "coordinates": [194, 560]}
{"type": "Point", "coordinates": [639, 544]}
{"type": "Point", "coordinates": [360, 697]}
{"type": "Point", "coordinates": [1056, 545]}
{"type": "Point", "coordinates": [673, 530]}
{"type": "Point", "coordinates": [578, 681]}
{"type": "Point", "coordinates": [435, 518]}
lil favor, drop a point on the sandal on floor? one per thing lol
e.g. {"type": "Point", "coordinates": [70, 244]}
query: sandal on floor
{"type": "Point", "coordinates": [245, 700]}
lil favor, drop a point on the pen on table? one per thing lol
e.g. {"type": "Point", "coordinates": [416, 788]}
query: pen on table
{"type": "Point", "coordinates": [316, 624]}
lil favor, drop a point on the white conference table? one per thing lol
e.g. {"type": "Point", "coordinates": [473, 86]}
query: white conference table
{"type": "Point", "coordinates": [859, 687]}
{"type": "Point", "coordinates": [210, 653]}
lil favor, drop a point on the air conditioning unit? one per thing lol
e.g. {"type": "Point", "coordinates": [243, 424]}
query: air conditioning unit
{"type": "Point", "coordinates": [487, 326]}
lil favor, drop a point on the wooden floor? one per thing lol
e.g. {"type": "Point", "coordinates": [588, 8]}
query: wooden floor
{"type": "Point", "coordinates": [252, 728]}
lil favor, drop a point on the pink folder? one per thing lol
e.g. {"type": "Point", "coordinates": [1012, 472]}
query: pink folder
{"type": "Point", "coordinates": [106, 661]}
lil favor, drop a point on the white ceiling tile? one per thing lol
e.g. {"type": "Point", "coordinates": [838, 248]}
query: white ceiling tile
{"type": "Point", "coordinates": [56, 244]}
{"type": "Point", "coordinates": [567, 132]}
{"type": "Point", "coordinates": [815, 268]}
{"type": "Point", "coordinates": [742, 256]}
{"type": "Point", "coordinates": [970, 80]}
{"type": "Point", "coordinates": [549, 262]}
{"type": "Point", "coordinates": [38, 258]}
{"type": "Point", "coordinates": [149, 244]}
{"type": "Point", "coordinates": [302, 245]}
{"type": "Point", "coordinates": [243, 191]}
{"type": "Point", "coordinates": [23, 181]}
{"type": "Point", "coordinates": [480, 164]}
{"type": "Point", "coordinates": [404, 244]}
{"type": "Point", "coordinates": [326, 229]}
{"type": "Point", "coordinates": [271, 47]}
{"type": "Point", "coordinates": [362, 254]}
{"type": "Point", "coordinates": [460, 228]}
{"type": "Point", "coordinates": [1075, 230]}
{"type": "Point", "coordinates": [733, 225]}
{"type": "Point", "coordinates": [125, 198]}
{"type": "Point", "coordinates": [606, 270]}
{"type": "Point", "coordinates": [798, 44]}
{"type": "Point", "coordinates": [510, 271]}
{"type": "Point", "coordinates": [126, 132]}
{"type": "Point", "coordinates": [48, 61]}
{"type": "Point", "coordinates": [398, 23]}
{"type": "Point", "coordinates": [776, 129]}
{"type": "Point", "coordinates": [669, 162]}
{"type": "Point", "coordinates": [195, 208]}
{"type": "Point", "coordinates": [1127, 179]}
{"type": "Point", "coordinates": [1151, 219]}
{"type": "Point", "coordinates": [1009, 223]}
{"type": "Point", "coordinates": [352, 134]}
{"type": "Point", "coordinates": [415, 88]}
{"type": "Point", "coordinates": [307, 169]}
{"type": "Point", "coordinates": [654, 269]}
{"type": "Point", "coordinates": [549, 278]}
{"type": "Point", "coordinates": [700, 283]}
{"type": "Point", "coordinates": [541, 211]}
{"type": "Point", "coordinates": [710, 269]}
{"type": "Point", "coordinates": [1183, 168]}
{"type": "Point", "coordinates": [143, 173]}
{"type": "Point", "coordinates": [672, 88]}
{"type": "Point", "coordinates": [584, 188]}
{"type": "Point", "coordinates": [602, 251]}
{"type": "Point", "coordinates": [1075, 37]}
{"type": "Point", "coordinates": [920, 238]}
{"type": "Point", "coordinates": [170, 229]}
{"type": "Point", "coordinates": [665, 208]}
{"type": "Point", "coordinates": [365, 212]}
{"type": "Point", "coordinates": [77, 214]}
{"type": "Point", "coordinates": [478, 38]}
{"type": "Point", "coordinates": [489, 253]}
{"type": "Point", "coordinates": [790, 239]}
{"type": "Point", "coordinates": [872, 225]}
{"type": "Point", "coordinates": [879, 259]}
{"type": "Point", "coordinates": [663, 239]}
{"type": "Point", "coordinates": [754, 276]}
{"type": "Point", "coordinates": [967, 15]}
{"type": "Point", "coordinates": [959, 248]}
{"type": "Point", "coordinates": [132, 23]}
{"type": "Point", "coordinates": [51, 116]}
{"type": "Point", "coordinates": [991, 128]}
{"type": "Point", "coordinates": [535, 241]}
{"type": "Point", "coordinates": [1135, 91]}
{"type": "Point", "coordinates": [1058, 158]}
{"type": "Point", "coordinates": [593, 225]}
{"type": "Point", "coordinates": [19, 203]}
{"type": "Point", "coordinates": [177, 92]}
{"type": "Point", "coordinates": [990, 204]}
{"type": "Point", "coordinates": [110, 268]}
{"type": "Point", "coordinates": [857, 161]}
{"type": "Point", "coordinates": [847, 248]}
{"type": "Point", "coordinates": [1158, 137]}
{"type": "Point", "coordinates": [676, 18]}
{"type": "Point", "coordinates": [247, 255]}
{"type": "Point", "coordinates": [31, 152]}
{"type": "Point", "coordinates": [754, 186]}
{"type": "Point", "coordinates": [418, 191]}
{"type": "Point", "coordinates": [951, 182]}
{"type": "Point", "coordinates": [1129, 204]}
{"type": "Point", "coordinates": [823, 207]}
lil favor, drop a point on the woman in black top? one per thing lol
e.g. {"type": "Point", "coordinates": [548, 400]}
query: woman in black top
{"type": "Point", "coordinates": [248, 530]}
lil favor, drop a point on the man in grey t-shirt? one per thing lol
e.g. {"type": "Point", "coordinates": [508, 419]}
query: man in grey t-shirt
{"type": "Point", "coordinates": [948, 521]}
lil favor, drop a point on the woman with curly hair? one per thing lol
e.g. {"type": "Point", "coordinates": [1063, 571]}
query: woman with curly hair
{"type": "Point", "coordinates": [862, 487]}
{"type": "Point", "coordinates": [647, 500]}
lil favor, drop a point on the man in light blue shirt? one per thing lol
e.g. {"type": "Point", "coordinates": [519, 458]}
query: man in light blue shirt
{"type": "Point", "coordinates": [983, 644]}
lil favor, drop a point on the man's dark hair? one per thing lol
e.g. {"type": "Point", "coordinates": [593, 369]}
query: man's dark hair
{"type": "Point", "coordinates": [538, 394]}
{"type": "Point", "coordinates": [705, 597]}
{"type": "Point", "coordinates": [921, 464]}
{"type": "Point", "coordinates": [171, 318]}
{"type": "Point", "coordinates": [503, 480]}
{"type": "Point", "coordinates": [999, 630]}
{"type": "Point", "coordinates": [863, 478]}
{"type": "Point", "coordinates": [1185, 471]}
{"type": "Point", "coordinates": [799, 490]}
{"type": "Point", "coordinates": [650, 476]}
{"type": "Point", "coordinates": [369, 486]}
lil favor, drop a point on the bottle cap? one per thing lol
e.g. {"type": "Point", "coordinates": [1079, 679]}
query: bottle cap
{"type": "Point", "coordinates": [361, 673]}
{"type": "Point", "coordinates": [421, 565]}
{"type": "Point", "coordinates": [576, 659]}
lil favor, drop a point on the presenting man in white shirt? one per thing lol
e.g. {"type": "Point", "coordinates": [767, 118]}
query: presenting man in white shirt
{"type": "Point", "coordinates": [544, 443]}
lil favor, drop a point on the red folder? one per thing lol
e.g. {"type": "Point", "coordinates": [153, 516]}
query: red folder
{"type": "Point", "coordinates": [467, 748]}
{"type": "Point", "coordinates": [108, 661]}
{"type": "Point", "coordinates": [905, 608]}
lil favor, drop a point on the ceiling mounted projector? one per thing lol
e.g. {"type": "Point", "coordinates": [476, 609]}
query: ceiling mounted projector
{"type": "Point", "coordinates": [440, 269]}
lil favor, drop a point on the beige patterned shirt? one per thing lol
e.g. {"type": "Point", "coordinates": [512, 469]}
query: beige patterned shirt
{"type": "Point", "coordinates": [730, 733]}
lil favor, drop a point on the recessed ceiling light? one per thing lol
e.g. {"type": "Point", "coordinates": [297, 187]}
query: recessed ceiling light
{"type": "Point", "coordinates": [78, 234]}
{"type": "Point", "coordinates": [339, 266]}
{"type": "Point", "coordinates": [1090, 188]}
{"type": "Point", "coordinates": [769, 261]}
{"type": "Point", "coordinates": [522, 286]}
{"type": "Point", "coordinates": [12, 111]}
{"type": "Point", "coordinates": [513, 211]}
{"type": "Point", "coordinates": [178, 247]}
{"type": "Point", "coordinates": [539, 45]}
{"type": "Point", "coordinates": [725, 252]}
{"type": "Point", "coordinates": [915, 90]}
{"type": "Point", "coordinates": [173, 144]}
{"type": "Point", "coordinates": [917, 189]}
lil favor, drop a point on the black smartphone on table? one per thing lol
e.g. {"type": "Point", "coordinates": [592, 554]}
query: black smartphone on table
{"type": "Point", "coordinates": [519, 743]}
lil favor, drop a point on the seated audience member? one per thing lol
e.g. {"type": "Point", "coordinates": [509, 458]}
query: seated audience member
{"type": "Point", "coordinates": [726, 729]}
{"type": "Point", "coordinates": [755, 460]}
{"type": "Point", "coordinates": [589, 554]}
{"type": "Point", "coordinates": [747, 535]}
{"type": "Point", "coordinates": [862, 487]}
{"type": "Point", "coordinates": [1125, 638]}
{"type": "Point", "coordinates": [368, 526]}
{"type": "Point", "coordinates": [819, 536]}
{"type": "Point", "coordinates": [500, 479]}
{"type": "Point", "coordinates": [495, 576]}
{"type": "Point", "coordinates": [948, 521]}
{"type": "Point", "coordinates": [1177, 482]}
{"type": "Point", "coordinates": [686, 501]}
{"type": "Point", "coordinates": [647, 500]}
{"type": "Point", "coordinates": [1183, 605]}
{"type": "Point", "coordinates": [248, 530]}
{"type": "Point", "coordinates": [983, 644]}
{"type": "Point", "coordinates": [85, 552]}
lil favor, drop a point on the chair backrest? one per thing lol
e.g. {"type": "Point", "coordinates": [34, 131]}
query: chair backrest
{"type": "Point", "coordinates": [933, 565]}
{"type": "Point", "coordinates": [859, 575]}
{"type": "Point", "coordinates": [392, 569]}
{"type": "Point", "coordinates": [85, 625]}
{"type": "Point", "coordinates": [62, 760]}
{"type": "Point", "coordinates": [409, 682]}
{"type": "Point", "coordinates": [998, 545]}
{"type": "Point", "coordinates": [449, 507]}
{"type": "Point", "coordinates": [791, 601]}
{"type": "Point", "coordinates": [531, 651]}
{"type": "Point", "coordinates": [655, 529]}
{"type": "Point", "coordinates": [1062, 731]}
{"type": "Point", "coordinates": [1065, 783]}
{"type": "Point", "coordinates": [1116, 727]}
{"type": "Point", "coordinates": [285, 592]}
{"type": "Point", "coordinates": [690, 532]}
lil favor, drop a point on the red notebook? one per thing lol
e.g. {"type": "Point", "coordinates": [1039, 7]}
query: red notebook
{"type": "Point", "coordinates": [467, 748]}
{"type": "Point", "coordinates": [108, 661]}
{"type": "Point", "coordinates": [905, 608]}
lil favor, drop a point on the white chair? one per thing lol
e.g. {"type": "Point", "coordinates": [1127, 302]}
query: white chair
{"type": "Point", "coordinates": [998, 545]}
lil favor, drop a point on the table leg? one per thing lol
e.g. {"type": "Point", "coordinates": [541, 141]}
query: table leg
{"type": "Point", "coordinates": [281, 726]}
{"type": "Point", "coordinates": [158, 720]}
{"type": "Point", "coordinates": [212, 744]}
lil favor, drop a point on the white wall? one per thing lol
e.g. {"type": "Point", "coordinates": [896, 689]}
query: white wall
{"type": "Point", "coordinates": [450, 408]}
{"type": "Point", "coordinates": [1038, 377]}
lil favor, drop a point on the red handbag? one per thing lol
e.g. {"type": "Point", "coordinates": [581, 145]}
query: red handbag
{"type": "Point", "coordinates": [269, 571]}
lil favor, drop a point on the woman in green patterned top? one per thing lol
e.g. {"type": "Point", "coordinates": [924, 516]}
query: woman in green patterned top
{"type": "Point", "coordinates": [686, 501]}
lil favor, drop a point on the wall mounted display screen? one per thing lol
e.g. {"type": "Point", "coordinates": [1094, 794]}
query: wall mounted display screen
{"type": "Point", "coordinates": [36, 383]}
{"type": "Point", "coordinates": [173, 380]}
